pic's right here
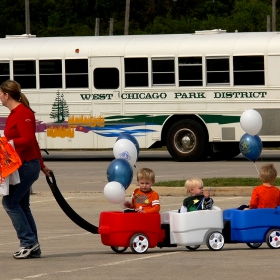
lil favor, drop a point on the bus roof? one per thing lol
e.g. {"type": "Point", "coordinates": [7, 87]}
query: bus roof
{"type": "Point", "coordinates": [168, 45]}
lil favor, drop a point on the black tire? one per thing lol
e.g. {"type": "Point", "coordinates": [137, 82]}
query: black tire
{"type": "Point", "coordinates": [222, 151]}
{"type": "Point", "coordinates": [193, 248]}
{"type": "Point", "coordinates": [273, 239]}
{"type": "Point", "coordinates": [254, 245]}
{"type": "Point", "coordinates": [215, 241]}
{"type": "Point", "coordinates": [139, 243]}
{"type": "Point", "coordinates": [118, 249]}
{"type": "Point", "coordinates": [187, 141]}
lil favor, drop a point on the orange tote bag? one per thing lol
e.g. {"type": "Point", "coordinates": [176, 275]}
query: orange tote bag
{"type": "Point", "coordinates": [9, 159]}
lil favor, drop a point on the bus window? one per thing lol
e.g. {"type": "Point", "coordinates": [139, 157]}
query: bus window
{"type": "Point", "coordinates": [4, 71]}
{"type": "Point", "coordinates": [76, 71]}
{"type": "Point", "coordinates": [163, 71]}
{"type": "Point", "coordinates": [217, 70]}
{"type": "Point", "coordinates": [106, 78]}
{"type": "Point", "coordinates": [136, 72]}
{"type": "Point", "coordinates": [50, 73]}
{"type": "Point", "coordinates": [190, 71]}
{"type": "Point", "coordinates": [25, 73]}
{"type": "Point", "coordinates": [248, 70]}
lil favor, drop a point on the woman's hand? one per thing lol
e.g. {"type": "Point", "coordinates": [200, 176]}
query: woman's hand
{"type": "Point", "coordinates": [47, 171]}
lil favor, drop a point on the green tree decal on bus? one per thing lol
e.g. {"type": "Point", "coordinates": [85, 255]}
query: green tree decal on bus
{"type": "Point", "coordinates": [59, 109]}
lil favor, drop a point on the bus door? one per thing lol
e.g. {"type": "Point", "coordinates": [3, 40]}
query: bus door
{"type": "Point", "coordinates": [105, 89]}
{"type": "Point", "coordinates": [105, 85]}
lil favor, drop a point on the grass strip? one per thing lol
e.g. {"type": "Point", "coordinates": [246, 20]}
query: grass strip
{"type": "Point", "coordinates": [218, 182]}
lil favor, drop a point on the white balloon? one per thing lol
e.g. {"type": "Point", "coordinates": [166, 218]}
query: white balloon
{"type": "Point", "coordinates": [125, 149]}
{"type": "Point", "coordinates": [251, 122]}
{"type": "Point", "coordinates": [114, 192]}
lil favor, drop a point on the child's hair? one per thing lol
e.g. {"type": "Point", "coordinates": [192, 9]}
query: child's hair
{"type": "Point", "coordinates": [268, 173]}
{"type": "Point", "coordinates": [146, 173]}
{"type": "Point", "coordinates": [192, 183]}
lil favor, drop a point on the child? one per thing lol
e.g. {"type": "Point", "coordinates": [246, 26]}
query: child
{"type": "Point", "coordinates": [197, 200]}
{"type": "Point", "coordinates": [266, 195]}
{"type": "Point", "coordinates": [144, 199]}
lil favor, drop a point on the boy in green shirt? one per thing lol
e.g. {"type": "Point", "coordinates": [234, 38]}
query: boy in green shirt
{"type": "Point", "coordinates": [198, 200]}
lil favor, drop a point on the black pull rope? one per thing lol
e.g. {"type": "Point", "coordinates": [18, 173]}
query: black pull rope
{"type": "Point", "coordinates": [77, 219]}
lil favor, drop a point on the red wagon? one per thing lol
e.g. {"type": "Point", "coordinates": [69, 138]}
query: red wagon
{"type": "Point", "coordinates": [135, 230]}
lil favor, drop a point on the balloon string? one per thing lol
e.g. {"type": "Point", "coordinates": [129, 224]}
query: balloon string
{"type": "Point", "coordinates": [256, 168]}
{"type": "Point", "coordinates": [162, 202]}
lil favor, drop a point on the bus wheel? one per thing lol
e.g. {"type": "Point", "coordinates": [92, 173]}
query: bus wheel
{"type": "Point", "coordinates": [118, 249]}
{"type": "Point", "coordinates": [139, 243]}
{"type": "Point", "coordinates": [221, 151]}
{"type": "Point", "coordinates": [187, 141]}
{"type": "Point", "coordinates": [273, 239]}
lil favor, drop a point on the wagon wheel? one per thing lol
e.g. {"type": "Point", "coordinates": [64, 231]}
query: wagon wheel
{"type": "Point", "coordinates": [215, 241]}
{"type": "Point", "coordinates": [118, 249]}
{"type": "Point", "coordinates": [193, 248]}
{"type": "Point", "coordinates": [139, 243]}
{"type": "Point", "coordinates": [254, 245]}
{"type": "Point", "coordinates": [273, 239]}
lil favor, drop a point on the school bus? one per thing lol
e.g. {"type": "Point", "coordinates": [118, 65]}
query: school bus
{"type": "Point", "coordinates": [183, 91]}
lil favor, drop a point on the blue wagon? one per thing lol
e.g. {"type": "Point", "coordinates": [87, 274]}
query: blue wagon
{"type": "Point", "coordinates": [252, 227]}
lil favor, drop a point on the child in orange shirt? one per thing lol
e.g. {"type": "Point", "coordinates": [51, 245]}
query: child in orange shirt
{"type": "Point", "coordinates": [144, 199]}
{"type": "Point", "coordinates": [265, 195]}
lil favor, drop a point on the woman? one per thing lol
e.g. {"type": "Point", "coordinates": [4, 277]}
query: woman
{"type": "Point", "coordinates": [20, 128]}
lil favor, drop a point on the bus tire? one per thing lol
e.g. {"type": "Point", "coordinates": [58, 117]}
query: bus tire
{"type": "Point", "coordinates": [187, 141]}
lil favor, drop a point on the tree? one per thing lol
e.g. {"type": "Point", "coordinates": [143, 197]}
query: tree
{"type": "Point", "coordinates": [250, 15]}
{"type": "Point", "coordinates": [59, 109]}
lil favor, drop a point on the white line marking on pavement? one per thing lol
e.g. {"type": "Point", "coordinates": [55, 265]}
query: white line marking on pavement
{"type": "Point", "coordinates": [92, 182]}
{"type": "Point", "coordinates": [39, 201]}
{"type": "Point", "coordinates": [50, 237]}
{"type": "Point", "coordinates": [93, 267]}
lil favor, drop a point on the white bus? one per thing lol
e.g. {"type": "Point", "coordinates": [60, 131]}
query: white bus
{"type": "Point", "coordinates": [183, 91]}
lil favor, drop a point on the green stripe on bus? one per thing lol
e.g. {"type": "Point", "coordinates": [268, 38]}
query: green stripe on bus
{"type": "Point", "coordinates": [220, 119]}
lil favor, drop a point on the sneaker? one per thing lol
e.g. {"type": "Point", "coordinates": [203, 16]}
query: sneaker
{"type": "Point", "coordinates": [25, 252]}
{"type": "Point", "coordinates": [36, 253]}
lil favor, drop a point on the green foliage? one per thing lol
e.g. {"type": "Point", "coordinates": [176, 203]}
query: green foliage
{"type": "Point", "coordinates": [250, 15]}
{"type": "Point", "coordinates": [77, 17]}
{"type": "Point", "coordinates": [60, 109]}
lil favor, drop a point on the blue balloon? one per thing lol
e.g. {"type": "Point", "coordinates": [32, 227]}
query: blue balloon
{"type": "Point", "coordinates": [250, 146]}
{"type": "Point", "coordinates": [120, 170]}
{"type": "Point", "coordinates": [127, 136]}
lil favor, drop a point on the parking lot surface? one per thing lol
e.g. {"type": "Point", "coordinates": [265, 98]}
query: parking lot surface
{"type": "Point", "coordinates": [70, 252]}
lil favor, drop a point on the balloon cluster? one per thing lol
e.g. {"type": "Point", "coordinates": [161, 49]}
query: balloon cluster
{"type": "Point", "coordinates": [250, 144]}
{"type": "Point", "coordinates": [119, 172]}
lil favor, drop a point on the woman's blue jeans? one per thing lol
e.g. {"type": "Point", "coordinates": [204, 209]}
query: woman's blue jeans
{"type": "Point", "coordinates": [17, 203]}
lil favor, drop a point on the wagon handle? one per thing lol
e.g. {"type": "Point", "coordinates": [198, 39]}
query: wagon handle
{"type": "Point", "coordinates": [77, 219]}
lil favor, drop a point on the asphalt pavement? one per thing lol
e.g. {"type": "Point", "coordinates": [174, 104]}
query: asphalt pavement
{"type": "Point", "coordinates": [70, 252]}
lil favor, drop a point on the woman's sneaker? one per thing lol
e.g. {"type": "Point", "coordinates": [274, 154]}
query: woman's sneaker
{"type": "Point", "coordinates": [36, 253]}
{"type": "Point", "coordinates": [25, 252]}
